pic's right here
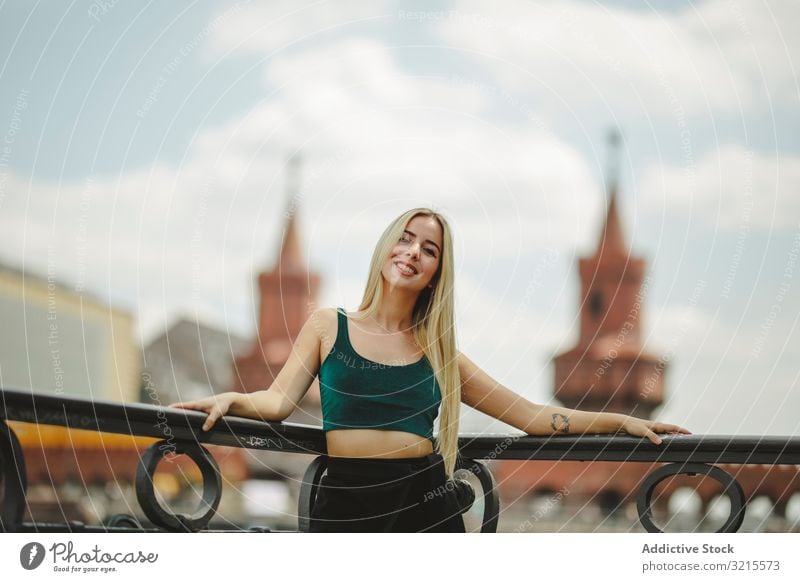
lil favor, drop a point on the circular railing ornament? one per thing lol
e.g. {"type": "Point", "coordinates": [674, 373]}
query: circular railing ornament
{"type": "Point", "coordinates": [122, 520]}
{"type": "Point", "coordinates": [491, 502]}
{"type": "Point", "coordinates": [308, 491]}
{"type": "Point", "coordinates": [212, 486]}
{"type": "Point", "coordinates": [731, 488]}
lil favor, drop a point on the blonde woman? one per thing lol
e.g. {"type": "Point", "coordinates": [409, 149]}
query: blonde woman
{"type": "Point", "coordinates": [386, 372]}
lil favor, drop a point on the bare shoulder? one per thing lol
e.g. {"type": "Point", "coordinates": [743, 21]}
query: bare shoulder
{"type": "Point", "coordinates": [324, 322]}
{"type": "Point", "coordinates": [323, 314]}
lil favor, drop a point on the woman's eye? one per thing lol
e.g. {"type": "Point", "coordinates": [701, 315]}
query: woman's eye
{"type": "Point", "coordinates": [430, 252]}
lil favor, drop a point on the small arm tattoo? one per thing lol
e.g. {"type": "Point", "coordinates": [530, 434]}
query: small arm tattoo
{"type": "Point", "coordinates": [560, 423]}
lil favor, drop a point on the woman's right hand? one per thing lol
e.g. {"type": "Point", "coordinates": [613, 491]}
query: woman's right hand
{"type": "Point", "coordinates": [215, 406]}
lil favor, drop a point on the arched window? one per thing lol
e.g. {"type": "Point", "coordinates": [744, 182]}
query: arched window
{"type": "Point", "coordinates": [596, 303]}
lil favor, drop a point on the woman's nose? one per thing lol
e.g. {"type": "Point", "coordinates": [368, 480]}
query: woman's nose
{"type": "Point", "coordinates": [413, 249]}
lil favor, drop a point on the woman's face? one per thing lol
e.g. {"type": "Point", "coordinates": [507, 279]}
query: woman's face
{"type": "Point", "coordinates": [415, 257]}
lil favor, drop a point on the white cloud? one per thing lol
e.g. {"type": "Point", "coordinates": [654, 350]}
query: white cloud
{"type": "Point", "coordinates": [259, 28]}
{"type": "Point", "coordinates": [731, 187]}
{"type": "Point", "coordinates": [176, 239]}
{"type": "Point", "coordinates": [720, 378]}
{"type": "Point", "coordinates": [719, 55]}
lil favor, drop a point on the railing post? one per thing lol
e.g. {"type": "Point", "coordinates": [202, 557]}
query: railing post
{"type": "Point", "coordinates": [15, 485]}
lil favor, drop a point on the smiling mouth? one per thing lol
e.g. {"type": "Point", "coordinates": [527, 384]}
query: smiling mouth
{"type": "Point", "coordinates": [405, 269]}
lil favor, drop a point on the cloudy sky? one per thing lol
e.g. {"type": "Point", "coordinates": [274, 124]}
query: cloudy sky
{"type": "Point", "coordinates": [144, 149]}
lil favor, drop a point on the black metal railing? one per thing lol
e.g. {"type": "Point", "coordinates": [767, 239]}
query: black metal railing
{"type": "Point", "coordinates": [180, 432]}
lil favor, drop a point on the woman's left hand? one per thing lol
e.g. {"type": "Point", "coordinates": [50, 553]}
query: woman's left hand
{"type": "Point", "coordinates": [648, 428]}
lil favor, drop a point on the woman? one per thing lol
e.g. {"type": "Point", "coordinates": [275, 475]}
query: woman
{"type": "Point", "coordinates": [385, 371]}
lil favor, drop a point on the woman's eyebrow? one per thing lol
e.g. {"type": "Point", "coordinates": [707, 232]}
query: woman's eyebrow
{"type": "Point", "coordinates": [429, 240]}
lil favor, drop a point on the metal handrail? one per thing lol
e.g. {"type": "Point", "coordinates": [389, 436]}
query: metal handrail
{"type": "Point", "coordinates": [162, 422]}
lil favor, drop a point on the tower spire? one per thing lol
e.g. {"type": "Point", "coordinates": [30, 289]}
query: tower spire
{"type": "Point", "coordinates": [612, 240]}
{"type": "Point", "coordinates": [290, 257]}
{"type": "Point", "coordinates": [285, 293]}
{"type": "Point", "coordinates": [614, 153]}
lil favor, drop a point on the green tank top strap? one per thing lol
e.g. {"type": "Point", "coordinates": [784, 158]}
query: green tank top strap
{"type": "Point", "coordinates": [342, 334]}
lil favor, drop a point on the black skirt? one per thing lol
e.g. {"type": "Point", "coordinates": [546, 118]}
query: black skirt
{"type": "Point", "coordinates": [385, 495]}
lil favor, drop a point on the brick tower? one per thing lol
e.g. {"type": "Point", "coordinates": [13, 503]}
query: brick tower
{"type": "Point", "coordinates": [285, 294]}
{"type": "Point", "coordinates": [608, 369]}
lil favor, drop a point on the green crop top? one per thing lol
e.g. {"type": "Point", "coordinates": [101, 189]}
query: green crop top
{"type": "Point", "coordinates": [359, 393]}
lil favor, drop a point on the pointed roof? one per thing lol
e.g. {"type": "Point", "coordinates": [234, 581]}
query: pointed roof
{"type": "Point", "coordinates": [612, 239]}
{"type": "Point", "coordinates": [290, 256]}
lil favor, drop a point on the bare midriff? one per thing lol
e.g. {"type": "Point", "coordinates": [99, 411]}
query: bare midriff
{"type": "Point", "coordinates": [376, 444]}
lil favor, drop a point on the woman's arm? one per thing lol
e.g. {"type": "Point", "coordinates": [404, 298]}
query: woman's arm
{"type": "Point", "coordinates": [483, 393]}
{"type": "Point", "coordinates": [290, 385]}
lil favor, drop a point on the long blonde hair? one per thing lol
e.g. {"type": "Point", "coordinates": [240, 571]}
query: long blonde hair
{"type": "Point", "coordinates": [433, 325]}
